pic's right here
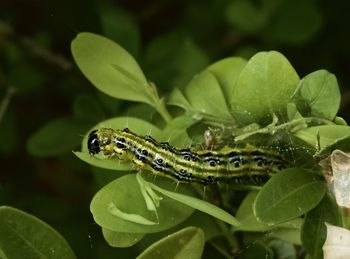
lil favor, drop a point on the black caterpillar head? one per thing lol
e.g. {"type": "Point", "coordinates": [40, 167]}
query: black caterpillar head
{"type": "Point", "coordinates": [93, 143]}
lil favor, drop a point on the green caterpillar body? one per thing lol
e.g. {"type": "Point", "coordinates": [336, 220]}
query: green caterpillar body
{"type": "Point", "coordinates": [250, 165]}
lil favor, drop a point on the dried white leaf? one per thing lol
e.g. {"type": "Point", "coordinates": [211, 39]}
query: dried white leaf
{"type": "Point", "coordinates": [337, 173]}
{"type": "Point", "coordinates": [337, 245]}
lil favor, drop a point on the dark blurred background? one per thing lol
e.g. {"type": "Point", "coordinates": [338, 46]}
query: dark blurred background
{"type": "Point", "coordinates": [46, 104]}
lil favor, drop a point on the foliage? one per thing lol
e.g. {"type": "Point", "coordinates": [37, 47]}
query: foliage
{"type": "Point", "coordinates": [186, 52]}
{"type": "Point", "coordinates": [264, 91]}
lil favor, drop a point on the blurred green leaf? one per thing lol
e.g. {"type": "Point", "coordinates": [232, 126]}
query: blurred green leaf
{"type": "Point", "coordinates": [287, 234]}
{"type": "Point", "coordinates": [9, 132]}
{"type": "Point", "coordinates": [186, 243]}
{"type": "Point", "coordinates": [57, 137]}
{"type": "Point", "coordinates": [256, 250]}
{"type": "Point", "coordinates": [26, 78]}
{"type": "Point", "coordinates": [87, 108]}
{"type": "Point", "coordinates": [283, 249]}
{"type": "Point", "coordinates": [287, 195]}
{"type": "Point", "coordinates": [121, 239]}
{"type": "Point", "coordinates": [110, 68]}
{"type": "Point", "coordinates": [124, 193]}
{"type": "Point", "coordinates": [25, 236]}
{"type": "Point", "coordinates": [326, 211]}
{"type": "Point", "coordinates": [120, 27]}
{"type": "Point", "coordinates": [293, 22]}
{"type": "Point", "coordinates": [172, 59]}
{"type": "Point", "coordinates": [318, 95]}
{"type": "Point", "coordinates": [247, 16]}
{"type": "Point", "coordinates": [264, 87]}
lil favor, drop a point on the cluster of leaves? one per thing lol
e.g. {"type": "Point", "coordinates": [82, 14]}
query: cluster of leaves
{"type": "Point", "coordinates": [34, 61]}
{"type": "Point", "coordinates": [261, 96]}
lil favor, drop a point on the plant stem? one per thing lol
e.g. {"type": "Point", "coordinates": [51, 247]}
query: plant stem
{"type": "Point", "coordinates": [163, 111]}
{"type": "Point", "coordinates": [288, 125]}
{"type": "Point", "coordinates": [5, 102]}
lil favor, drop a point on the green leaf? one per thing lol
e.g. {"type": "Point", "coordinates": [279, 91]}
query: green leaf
{"type": "Point", "coordinates": [257, 250]}
{"type": "Point", "coordinates": [87, 108]}
{"type": "Point", "coordinates": [103, 162]}
{"type": "Point", "coordinates": [249, 222]}
{"type": "Point", "coordinates": [289, 235]}
{"type": "Point", "coordinates": [198, 204]}
{"type": "Point", "coordinates": [110, 68]}
{"type": "Point", "coordinates": [318, 95]}
{"type": "Point", "coordinates": [283, 249]}
{"type": "Point", "coordinates": [136, 125]}
{"type": "Point", "coordinates": [120, 27]}
{"type": "Point", "coordinates": [205, 95]}
{"type": "Point", "coordinates": [121, 239]}
{"type": "Point", "coordinates": [293, 22]}
{"type": "Point", "coordinates": [186, 243]}
{"type": "Point", "coordinates": [178, 99]}
{"type": "Point", "coordinates": [176, 130]}
{"type": "Point", "coordinates": [263, 88]}
{"type": "Point", "coordinates": [246, 216]}
{"type": "Point", "coordinates": [57, 137]}
{"type": "Point", "coordinates": [125, 195]}
{"type": "Point", "coordinates": [172, 59]}
{"type": "Point", "coordinates": [25, 236]}
{"type": "Point", "coordinates": [314, 226]}
{"type": "Point", "coordinates": [226, 72]}
{"type": "Point", "coordinates": [205, 222]}
{"type": "Point", "coordinates": [247, 16]}
{"type": "Point", "coordinates": [287, 195]}
{"type": "Point", "coordinates": [328, 134]}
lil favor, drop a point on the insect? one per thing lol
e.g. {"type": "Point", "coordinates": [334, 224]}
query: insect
{"type": "Point", "coordinates": [250, 165]}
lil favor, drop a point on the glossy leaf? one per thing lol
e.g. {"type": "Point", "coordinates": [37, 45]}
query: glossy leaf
{"type": "Point", "coordinates": [249, 222]}
{"type": "Point", "coordinates": [124, 193]}
{"type": "Point", "coordinates": [263, 88]}
{"type": "Point", "coordinates": [318, 95]}
{"type": "Point", "coordinates": [287, 195]}
{"type": "Point", "coordinates": [121, 239]}
{"type": "Point", "coordinates": [246, 216]}
{"type": "Point", "coordinates": [328, 134]}
{"type": "Point", "coordinates": [186, 243]}
{"type": "Point", "coordinates": [110, 68]}
{"type": "Point", "coordinates": [198, 204]}
{"type": "Point", "coordinates": [314, 226]}
{"type": "Point", "coordinates": [226, 72]}
{"type": "Point", "coordinates": [206, 96]}
{"type": "Point", "coordinates": [25, 236]}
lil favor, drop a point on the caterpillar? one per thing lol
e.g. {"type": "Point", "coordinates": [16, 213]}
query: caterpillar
{"type": "Point", "coordinates": [250, 166]}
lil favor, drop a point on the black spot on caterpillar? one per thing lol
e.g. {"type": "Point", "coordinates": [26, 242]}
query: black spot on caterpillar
{"type": "Point", "coordinates": [250, 165]}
